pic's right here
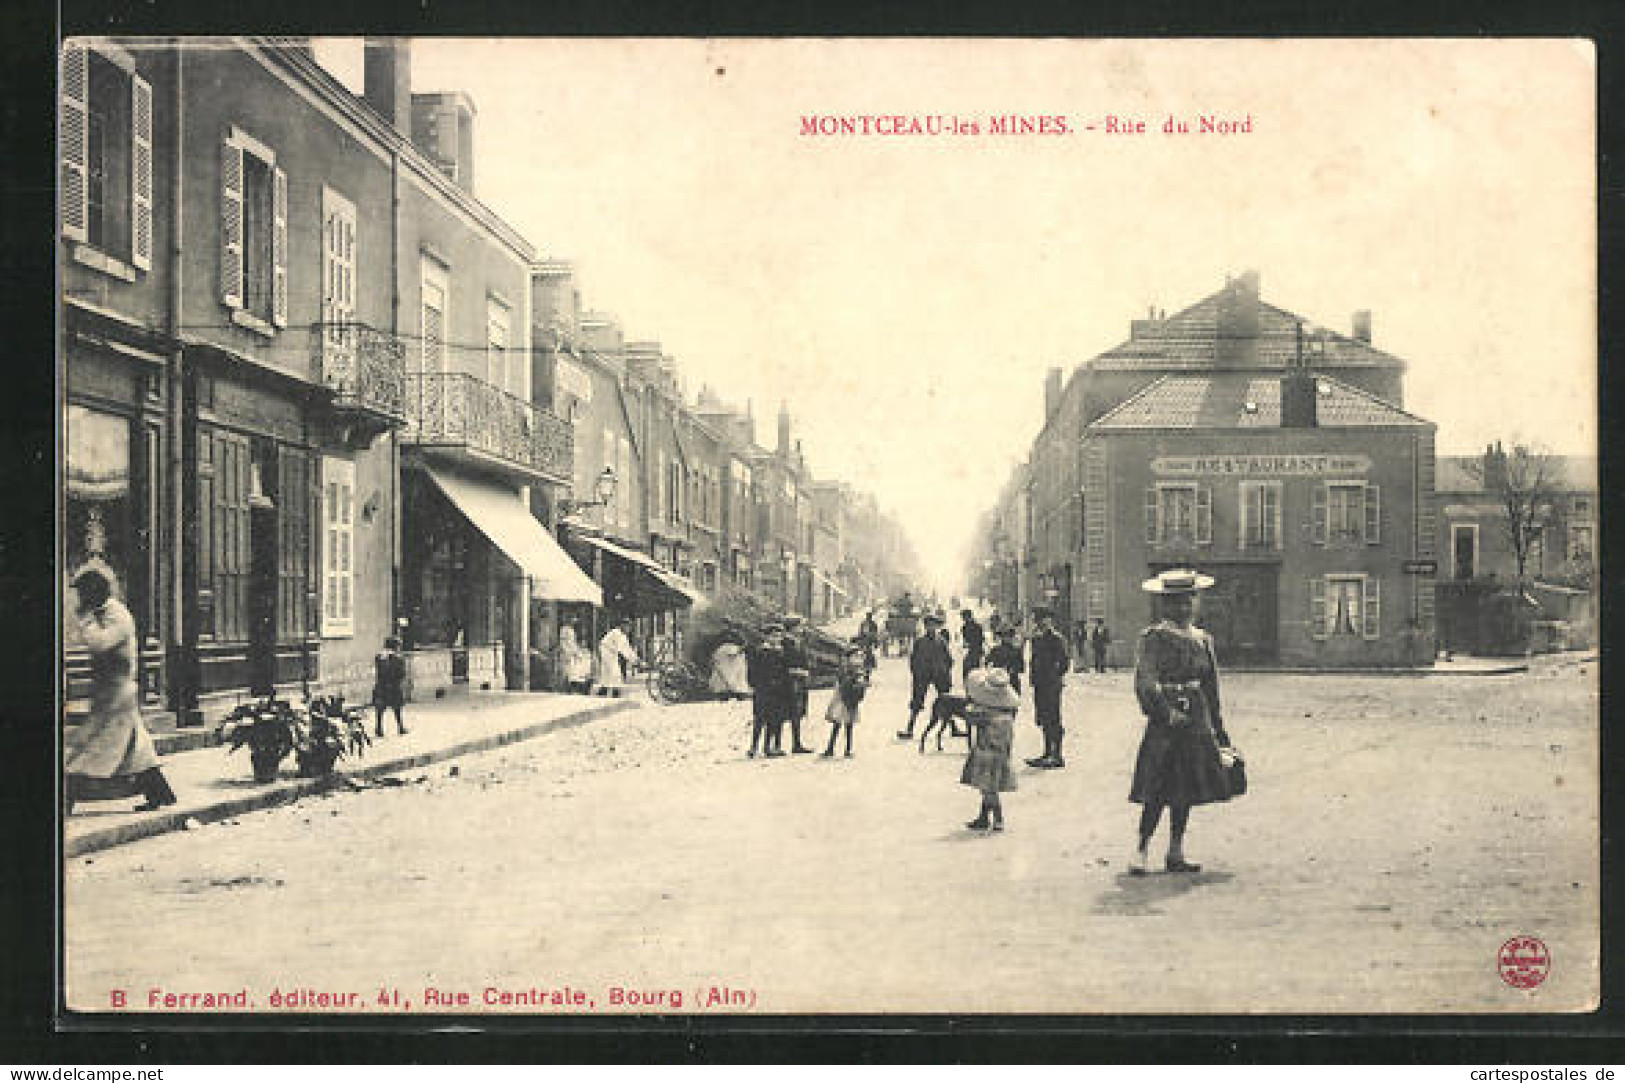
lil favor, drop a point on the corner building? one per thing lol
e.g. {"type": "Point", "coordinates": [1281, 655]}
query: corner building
{"type": "Point", "coordinates": [1238, 440]}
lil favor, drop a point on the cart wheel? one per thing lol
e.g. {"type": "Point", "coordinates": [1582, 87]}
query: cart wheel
{"type": "Point", "coordinates": [670, 684]}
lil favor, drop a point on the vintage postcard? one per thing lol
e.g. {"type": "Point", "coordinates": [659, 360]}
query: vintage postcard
{"type": "Point", "coordinates": [826, 527]}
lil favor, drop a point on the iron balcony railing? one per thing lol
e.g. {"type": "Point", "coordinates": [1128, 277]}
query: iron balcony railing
{"type": "Point", "coordinates": [459, 410]}
{"type": "Point", "coordinates": [364, 368]}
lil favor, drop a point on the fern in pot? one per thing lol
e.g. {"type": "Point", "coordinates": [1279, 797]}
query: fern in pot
{"type": "Point", "coordinates": [328, 732]}
{"type": "Point", "coordinates": [269, 727]}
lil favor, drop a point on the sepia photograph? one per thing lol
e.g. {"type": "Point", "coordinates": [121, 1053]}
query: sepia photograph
{"type": "Point", "coordinates": [628, 527]}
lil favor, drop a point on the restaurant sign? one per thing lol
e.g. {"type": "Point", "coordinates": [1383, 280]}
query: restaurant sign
{"type": "Point", "coordinates": [1259, 465]}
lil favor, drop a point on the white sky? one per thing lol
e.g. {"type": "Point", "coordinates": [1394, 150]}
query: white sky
{"type": "Point", "coordinates": [907, 294]}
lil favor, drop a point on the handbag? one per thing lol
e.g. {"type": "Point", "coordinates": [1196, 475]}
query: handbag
{"type": "Point", "coordinates": [1235, 770]}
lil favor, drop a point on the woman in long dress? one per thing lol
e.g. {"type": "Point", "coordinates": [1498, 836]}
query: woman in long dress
{"type": "Point", "coordinates": [1176, 679]}
{"type": "Point", "coordinates": [112, 755]}
{"type": "Point", "coordinates": [575, 662]}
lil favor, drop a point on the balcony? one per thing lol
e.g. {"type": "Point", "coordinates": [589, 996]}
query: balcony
{"type": "Point", "coordinates": [364, 371]}
{"type": "Point", "coordinates": [468, 419]}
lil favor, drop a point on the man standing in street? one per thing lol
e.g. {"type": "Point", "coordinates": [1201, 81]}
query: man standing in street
{"type": "Point", "coordinates": [1049, 665]}
{"type": "Point", "coordinates": [1100, 637]}
{"type": "Point", "coordinates": [970, 633]}
{"type": "Point", "coordinates": [931, 666]}
{"type": "Point", "coordinates": [798, 670]}
{"type": "Point", "coordinates": [1006, 655]}
{"type": "Point", "coordinates": [769, 684]}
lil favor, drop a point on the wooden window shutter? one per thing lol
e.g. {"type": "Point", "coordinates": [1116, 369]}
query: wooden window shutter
{"type": "Point", "coordinates": [231, 224]}
{"type": "Point", "coordinates": [75, 143]}
{"type": "Point", "coordinates": [1372, 608]}
{"type": "Point", "coordinates": [1272, 512]}
{"type": "Point", "coordinates": [1152, 533]}
{"type": "Point", "coordinates": [1373, 515]}
{"type": "Point", "coordinates": [203, 515]}
{"type": "Point", "coordinates": [1317, 515]}
{"type": "Point", "coordinates": [1251, 497]}
{"type": "Point", "coordinates": [1204, 515]}
{"type": "Point", "coordinates": [140, 173]}
{"type": "Point", "coordinates": [279, 247]}
{"type": "Point", "coordinates": [1317, 607]}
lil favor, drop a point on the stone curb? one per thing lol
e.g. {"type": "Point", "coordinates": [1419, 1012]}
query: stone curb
{"type": "Point", "coordinates": [285, 792]}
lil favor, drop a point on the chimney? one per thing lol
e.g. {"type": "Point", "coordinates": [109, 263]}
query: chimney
{"type": "Point", "coordinates": [1299, 390]}
{"type": "Point", "coordinates": [1141, 328]}
{"type": "Point", "coordinates": [1052, 393]}
{"type": "Point", "coordinates": [1236, 333]}
{"type": "Point", "coordinates": [443, 128]}
{"type": "Point", "coordinates": [784, 428]}
{"type": "Point", "coordinates": [1362, 326]}
{"type": "Point", "coordinates": [386, 79]}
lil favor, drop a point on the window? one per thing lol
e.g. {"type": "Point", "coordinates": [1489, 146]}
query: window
{"type": "Point", "coordinates": [501, 363]}
{"type": "Point", "coordinates": [624, 471]}
{"type": "Point", "coordinates": [1463, 550]}
{"type": "Point", "coordinates": [1260, 515]}
{"type": "Point", "coordinates": [106, 154]}
{"type": "Point", "coordinates": [1347, 513]}
{"type": "Point", "coordinates": [435, 296]}
{"type": "Point", "coordinates": [1345, 606]}
{"type": "Point", "coordinates": [1179, 513]}
{"type": "Point", "coordinates": [253, 231]}
{"type": "Point", "coordinates": [1580, 542]}
{"type": "Point", "coordinates": [338, 276]}
{"type": "Point", "coordinates": [338, 547]}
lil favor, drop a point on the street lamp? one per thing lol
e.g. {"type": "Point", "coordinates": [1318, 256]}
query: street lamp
{"type": "Point", "coordinates": [603, 489]}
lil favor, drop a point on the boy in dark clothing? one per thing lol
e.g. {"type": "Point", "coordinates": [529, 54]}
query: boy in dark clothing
{"type": "Point", "coordinates": [970, 633]}
{"type": "Point", "coordinates": [389, 684]}
{"type": "Point", "coordinates": [931, 666]}
{"type": "Point", "coordinates": [1050, 663]}
{"type": "Point", "coordinates": [769, 682]}
{"type": "Point", "coordinates": [1099, 639]}
{"type": "Point", "coordinates": [1006, 655]}
{"type": "Point", "coordinates": [799, 670]}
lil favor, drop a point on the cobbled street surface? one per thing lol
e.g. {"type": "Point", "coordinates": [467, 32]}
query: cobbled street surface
{"type": "Point", "coordinates": [1398, 831]}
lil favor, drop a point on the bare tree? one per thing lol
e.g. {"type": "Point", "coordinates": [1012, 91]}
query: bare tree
{"type": "Point", "coordinates": [1524, 483]}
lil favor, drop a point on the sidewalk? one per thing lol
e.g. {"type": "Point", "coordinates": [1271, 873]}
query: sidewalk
{"type": "Point", "coordinates": [212, 784]}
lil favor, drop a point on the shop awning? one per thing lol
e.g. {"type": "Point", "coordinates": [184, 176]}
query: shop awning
{"type": "Point", "coordinates": [828, 582]}
{"type": "Point", "coordinates": [510, 526]}
{"type": "Point", "coordinates": [686, 592]}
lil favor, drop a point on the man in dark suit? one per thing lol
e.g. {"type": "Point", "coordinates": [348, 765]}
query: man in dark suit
{"type": "Point", "coordinates": [1006, 655]}
{"type": "Point", "coordinates": [799, 671]}
{"type": "Point", "coordinates": [970, 633]}
{"type": "Point", "coordinates": [931, 666]}
{"type": "Point", "coordinates": [769, 682]}
{"type": "Point", "coordinates": [1049, 665]}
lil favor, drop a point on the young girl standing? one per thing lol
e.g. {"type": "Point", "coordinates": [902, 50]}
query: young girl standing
{"type": "Point", "coordinates": [992, 716]}
{"type": "Point", "coordinates": [850, 686]}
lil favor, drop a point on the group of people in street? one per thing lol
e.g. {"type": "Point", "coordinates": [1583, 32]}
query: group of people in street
{"type": "Point", "coordinates": [1179, 763]}
{"type": "Point", "coordinates": [778, 669]}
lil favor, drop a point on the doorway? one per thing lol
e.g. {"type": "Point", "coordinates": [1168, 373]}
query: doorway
{"type": "Point", "coordinates": [1240, 611]}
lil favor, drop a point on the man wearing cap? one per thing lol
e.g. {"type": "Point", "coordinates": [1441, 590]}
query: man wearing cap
{"type": "Point", "coordinates": [1049, 665]}
{"type": "Point", "coordinates": [769, 682]}
{"type": "Point", "coordinates": [971, 634]}
{"type": "Point", "coordinates": [930, 666]}
{"type": "Point", "coordinates": [794, 650]}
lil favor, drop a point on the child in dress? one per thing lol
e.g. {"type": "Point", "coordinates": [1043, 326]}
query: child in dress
{"type": "Point", "coordinates": [992, 716]}
{"type": "Point", "coordinates": [850, 686]}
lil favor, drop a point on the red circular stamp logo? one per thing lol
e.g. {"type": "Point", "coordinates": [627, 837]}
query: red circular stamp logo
{"type": "Point", "coordinates": [1524, 962]}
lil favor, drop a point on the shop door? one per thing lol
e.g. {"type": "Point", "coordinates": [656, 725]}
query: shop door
{"type": "Point", "coordinates": [262, 598]}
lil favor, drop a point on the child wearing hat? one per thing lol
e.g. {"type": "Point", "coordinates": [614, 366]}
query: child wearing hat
{"type": "Point", "coordinates": [850, 686]}
{"type": "Point", "coordinates": [992, 716]}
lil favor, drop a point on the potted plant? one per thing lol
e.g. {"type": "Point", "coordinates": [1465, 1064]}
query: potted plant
{"type": "Point", "coordinates": [329, 731]}
{"type": "Point", "coordinates": [269, 727]}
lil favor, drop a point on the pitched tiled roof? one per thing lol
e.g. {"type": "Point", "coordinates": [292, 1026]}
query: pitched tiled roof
{"type": "Point", "coordinates": [1239, 401]}
{"type": "Point", "coordinates": [1188, 340]}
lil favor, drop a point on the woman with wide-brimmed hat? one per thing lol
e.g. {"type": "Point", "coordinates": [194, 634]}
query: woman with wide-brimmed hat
{"type": "Point", "coordinates": [112, 754]}
{"type": "Point", "coordinates": [991, 712]}
{"type": "Point", "coordinates": [1176, 679]}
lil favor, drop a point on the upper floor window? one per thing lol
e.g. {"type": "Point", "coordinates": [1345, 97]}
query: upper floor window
{"type": "Point", "coordinates": [435, 297]}
{"type": "Point", "coordinates": [106, 154]}
{"type": "Point", "coordinates": [253, 230]}
{"type": "Point", "coordinates": [501, 362]}
{"type": "Point", "coordinates": [338, 274]}
{"type": "Point", "coordinates": [1580, 542]}
{"type": "Point", "coordinates": [1179, 513]}
{"type": "Point", "coordinates": [1260, 515]}
{"type": "Point", "coordinates": [1347, 512]}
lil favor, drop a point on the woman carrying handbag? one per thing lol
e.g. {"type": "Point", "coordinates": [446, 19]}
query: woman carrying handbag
{"type": "Point", "coordinates": [1176, 679]}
